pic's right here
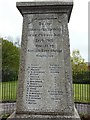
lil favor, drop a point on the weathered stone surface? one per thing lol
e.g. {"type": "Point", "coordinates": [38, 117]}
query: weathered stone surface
{"type": "Point", "coordinates": [15, 116]}
{"type": "Point", "coordinates": [40, 7]}
{"type": "Point", "coordinates": [47, 66]}
{"type": "Point", "coordinates": [45, 78]}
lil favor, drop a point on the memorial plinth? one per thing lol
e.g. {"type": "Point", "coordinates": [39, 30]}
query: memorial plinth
{"type": "Point", "coordinates": [45, 77]}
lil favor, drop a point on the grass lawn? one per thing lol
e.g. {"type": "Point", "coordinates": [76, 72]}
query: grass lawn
{"type": "Point", "coordinates": [81, 93]}
{"type": "Point", "coordinates": [8, 92]}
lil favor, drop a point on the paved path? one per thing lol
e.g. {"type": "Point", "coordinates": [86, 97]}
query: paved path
{"type": "Point", "coordinates": [7, 108]}
{"type": "Point", "coordinates": [10, 107]}
{"type": "Point", "coordinates": [83, 108]}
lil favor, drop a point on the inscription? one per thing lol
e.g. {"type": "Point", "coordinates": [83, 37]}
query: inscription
{"type": "Point", "coordinates": [34, 84]}
{"type": "Point", "coordinates": [45, 35]}
{"type": "Point", "coordinates": [55, 93]}
{"type": "Point", "coordinates": [45, 79]}
{"type": "Point", "coordinates": [55, 68]}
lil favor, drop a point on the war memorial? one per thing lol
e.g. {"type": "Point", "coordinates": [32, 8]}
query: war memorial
{"type": "Point", "coordinates": [45, 75]}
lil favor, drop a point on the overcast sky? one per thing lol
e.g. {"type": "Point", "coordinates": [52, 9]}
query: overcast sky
{"type": "Point", "coordinates": [11, 24]}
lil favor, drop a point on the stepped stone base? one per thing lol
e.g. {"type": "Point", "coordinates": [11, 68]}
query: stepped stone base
{"type": "Point", "coordinates": [44, 117]}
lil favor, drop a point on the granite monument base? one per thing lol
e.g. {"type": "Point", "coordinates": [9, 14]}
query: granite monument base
{"type": "Point", "coordinates": [44, 117]}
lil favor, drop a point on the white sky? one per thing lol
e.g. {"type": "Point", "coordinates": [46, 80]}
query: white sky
{"type": "Point", "coordinates": [11, 24]}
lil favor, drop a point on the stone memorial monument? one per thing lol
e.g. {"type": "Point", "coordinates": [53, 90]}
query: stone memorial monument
{"type": "Point", "coordinates": [45, 78]}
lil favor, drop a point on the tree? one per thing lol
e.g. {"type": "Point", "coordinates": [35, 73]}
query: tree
{"type": "Point", "coordinates": [10, 60]}
{"type": "Point", "coordinates": [78, 63]}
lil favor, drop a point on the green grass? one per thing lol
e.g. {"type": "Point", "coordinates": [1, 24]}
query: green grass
{"type": "Point", "coordinates": [8, 92]}
{"type": "Point", "coordinates": [82, 93]}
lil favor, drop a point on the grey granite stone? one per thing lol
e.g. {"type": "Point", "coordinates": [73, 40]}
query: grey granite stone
{"type": "Point", "coordinates": [15, 116]}
{"type": "Point", "coordinates": [35, 7]}
{"type": "Point", "coordinates": [45, 77]}
{"type": "Point", "coordinates": [53, 75]}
